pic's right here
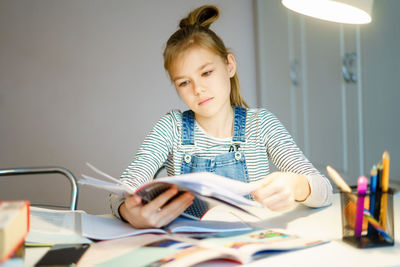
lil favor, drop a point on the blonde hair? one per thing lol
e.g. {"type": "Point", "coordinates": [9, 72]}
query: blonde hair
{"type": "Point", "coordinates": [194, 31]}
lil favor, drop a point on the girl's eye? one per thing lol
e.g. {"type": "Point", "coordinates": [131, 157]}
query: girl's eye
{"type": "Point", "coordinates": [183, 84]}
{"type": "Point", "coordinates": [207, 73]}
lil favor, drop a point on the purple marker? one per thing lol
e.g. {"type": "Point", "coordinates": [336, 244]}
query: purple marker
{"type": "Point", "coordinates": [362, 185]}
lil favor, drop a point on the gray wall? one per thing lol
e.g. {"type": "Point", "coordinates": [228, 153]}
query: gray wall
{"type": "Point", "coordinates": [84, 81]}
{"type": "Point", "coordinates": [381, 42]}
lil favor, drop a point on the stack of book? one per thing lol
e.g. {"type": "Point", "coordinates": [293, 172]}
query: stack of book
{"type": "Point", "coordinates": [14, 227]}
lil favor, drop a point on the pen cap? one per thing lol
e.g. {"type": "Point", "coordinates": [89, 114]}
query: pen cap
{"type": "Point", "coordinates": [362, 184]}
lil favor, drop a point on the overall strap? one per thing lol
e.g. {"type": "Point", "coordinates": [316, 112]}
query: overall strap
{"type": "Point", "coordinates": [239, 125]}
{"type": "Point", "coordinates": [188, 128]}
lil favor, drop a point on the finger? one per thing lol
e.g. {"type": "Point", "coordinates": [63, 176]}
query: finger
{"type": "Point", "coordinates": [164, 216]}
{"type": "Point", "coordinates": [279, 199]}
{"type": "Point", "coordinates": [178, 205]}
{"type": "Point", "coordinates": [264, 181]}
{"type": "Point", "coordinates": [266, 191]}
{"type": "Point", "coordinates": [152, 212]}
{"type": "Point", "coordinates": [275, 192]}
{"type": "Point", "coordinates": [267, 182]}
{"type": "Point", "coordinates": [161, 199]}
{"type": "Point", "coordinates": [175, 208]}
{"type": "Point", "coordinates": [133, 201]}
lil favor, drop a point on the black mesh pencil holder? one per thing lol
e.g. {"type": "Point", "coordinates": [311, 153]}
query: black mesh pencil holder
{"type": "Point", "coordinates": [378, 222]}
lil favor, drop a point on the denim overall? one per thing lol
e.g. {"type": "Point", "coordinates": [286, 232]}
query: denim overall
{"type": "Point", "coordinates": [231, 164]}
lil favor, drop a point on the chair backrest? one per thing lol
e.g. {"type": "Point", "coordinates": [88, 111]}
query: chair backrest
{"type": "Point", "coordinates": [48, 170]}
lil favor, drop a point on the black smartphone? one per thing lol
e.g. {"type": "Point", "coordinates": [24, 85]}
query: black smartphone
{"type": "Point", "coordinates": [63, 255]}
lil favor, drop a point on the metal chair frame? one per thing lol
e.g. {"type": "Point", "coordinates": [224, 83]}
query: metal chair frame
{"type": "Point", "coordinates": [47, 170]}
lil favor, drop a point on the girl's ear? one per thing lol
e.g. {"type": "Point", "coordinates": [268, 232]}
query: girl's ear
{"type": "Point", "coordinates": [231, 65]}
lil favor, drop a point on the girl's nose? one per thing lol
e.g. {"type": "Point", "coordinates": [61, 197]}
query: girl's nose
{"type": "Point", "coordinates": [197, 88]}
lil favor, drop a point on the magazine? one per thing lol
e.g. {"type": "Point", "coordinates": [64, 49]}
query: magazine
{"type": "Point", "coordinates": [208, 188]}
{"type": "Point", "coordinates": [175, 250]}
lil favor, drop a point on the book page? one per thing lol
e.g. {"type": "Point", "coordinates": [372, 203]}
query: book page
{"type": "Point", "coordinates": [163, 250]}
{"type": "Point", "coordinates": [54, 221]}
{"type": "Point", "coordinates": [261, 243]}
{"type": "Point", "coordinates": [208, 188]}
{"type": "Point", "coordinates": [116, 188]}
{"type": "Point", "coordinates": [202, 182]}
{"type": "Point", "coordinates": [49, 227]}
{"type": "Point", "coordinates": [112, 250]}
{"type": "Point", "coordinates": [180, 250]}
{"type": "Point", "coordinates": [209, 227]}
{"type": "Point", "coordinates": [104, 228]}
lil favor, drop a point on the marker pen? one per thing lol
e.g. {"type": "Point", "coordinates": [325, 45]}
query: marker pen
{"type": "Point", "coordinates": [362, 185]}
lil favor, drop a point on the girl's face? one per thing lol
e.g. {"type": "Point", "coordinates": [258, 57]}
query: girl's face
{"type": "Point", "coordinates": [202, 79]}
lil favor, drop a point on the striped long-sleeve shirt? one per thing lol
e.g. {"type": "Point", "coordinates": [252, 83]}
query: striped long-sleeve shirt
{"type": "Point", "coordinates": [266, 141]}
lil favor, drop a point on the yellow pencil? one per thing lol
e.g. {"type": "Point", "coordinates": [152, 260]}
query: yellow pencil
{"type": "Point", "coordinates": [385, 171]}
{"type": "Point", "coordinates": [385, 187]}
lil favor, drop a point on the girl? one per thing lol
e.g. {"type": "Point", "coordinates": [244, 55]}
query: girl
{"type": "Point", "coordinates": [219, 133]}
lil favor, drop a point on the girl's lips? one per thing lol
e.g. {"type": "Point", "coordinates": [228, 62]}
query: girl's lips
{"type": "Point", "coordinates": [202, 102]}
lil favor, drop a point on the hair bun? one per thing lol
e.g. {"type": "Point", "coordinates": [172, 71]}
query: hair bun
{"type": "Point", "coordinates": [202, 16]}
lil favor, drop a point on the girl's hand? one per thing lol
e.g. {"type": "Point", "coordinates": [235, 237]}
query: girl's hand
{"type": "Point", "coordinates": [278, 191]}
{"type": "Point", "coordinates": [155, 214]}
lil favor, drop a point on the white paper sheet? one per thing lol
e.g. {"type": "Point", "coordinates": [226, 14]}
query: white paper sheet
{"type": "Point", "coordinates": [50, 227]}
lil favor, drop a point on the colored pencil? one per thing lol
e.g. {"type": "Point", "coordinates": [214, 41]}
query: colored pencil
{"type": "Point", "coordinates": [372, 196]}
{"type": "Point", "coordinates": [343, 186]}
{"type": "Point", "coordinates": [385, 187]}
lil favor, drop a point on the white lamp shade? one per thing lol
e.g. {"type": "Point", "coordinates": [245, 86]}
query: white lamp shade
{"type": "Point", "coordinates": [342, 11]}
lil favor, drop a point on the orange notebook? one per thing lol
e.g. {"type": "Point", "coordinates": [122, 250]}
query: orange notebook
{"type": "Point", "coordinates": [14, 227]}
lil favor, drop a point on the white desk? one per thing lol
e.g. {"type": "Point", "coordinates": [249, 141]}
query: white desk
{"type": "Point", "coordinates": [323, 223]}
{"type": "Point", "coordinates": [326, 223]}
